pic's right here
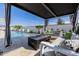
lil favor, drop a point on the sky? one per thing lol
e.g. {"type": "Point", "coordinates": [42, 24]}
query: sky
{"type": "Point", "coordinates": [65, 19]}
{"type": "Point", "coordinates": [2, 15]}
{"type": "Point", "coordinates": [24, 18]}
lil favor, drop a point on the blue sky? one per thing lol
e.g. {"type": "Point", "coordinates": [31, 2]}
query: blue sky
{"type": "Point", "coordinates": [65, 19]}
{"type": "Point", "coordinates": [19, 16]}
{"type": "Point", "coordinates": [2, 10]}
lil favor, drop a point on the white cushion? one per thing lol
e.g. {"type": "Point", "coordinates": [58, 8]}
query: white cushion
{"type": "Point", "coordinates": [58, 41]}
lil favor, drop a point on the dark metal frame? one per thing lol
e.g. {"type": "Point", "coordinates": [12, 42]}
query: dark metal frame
{"type": "Point", "coordinates": [74, 20]}
{"type": "Point", "coordinates": [7, 20]}
{"type": "Point", "coordinates": [45, 24]}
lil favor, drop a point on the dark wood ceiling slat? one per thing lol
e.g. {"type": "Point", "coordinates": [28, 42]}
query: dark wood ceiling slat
{"type": "Point", "coordinates": [38, 9]}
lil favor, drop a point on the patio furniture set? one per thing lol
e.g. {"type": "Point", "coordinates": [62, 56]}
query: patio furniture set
{"type": "Point", "coordinates": [56, 44]}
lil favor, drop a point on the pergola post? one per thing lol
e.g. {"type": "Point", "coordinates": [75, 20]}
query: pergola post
{"type": "Point", "coordinates": [52, 13]}
{"type": "Point", "coordinates": [74, 23]}
{"type": "Point", "coordinates": [76, 17]}
{"type": "Point", "coordinates": [45, 24]}
{"type": "Point", "coordinates": [7, 21]}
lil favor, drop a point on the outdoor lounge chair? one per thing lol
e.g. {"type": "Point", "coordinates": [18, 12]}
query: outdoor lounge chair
{"type": "Point", "coordinates": [56, 50]}
{"type": "Point", "coordinates": [59, 47]}
{"type": "Point", "coordinates": [57, 42]}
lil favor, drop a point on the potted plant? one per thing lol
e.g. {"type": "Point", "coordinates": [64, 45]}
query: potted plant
{"type": "Point", "coordinates": [68, 35]}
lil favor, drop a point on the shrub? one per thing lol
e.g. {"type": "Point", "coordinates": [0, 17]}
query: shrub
{"type": "Point", "coordinates": [49, 31]}
{"type": "Point", "coordinates": [68, 35]}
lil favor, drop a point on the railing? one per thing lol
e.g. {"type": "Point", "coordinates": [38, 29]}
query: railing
{"type": "Point", "coordinates": [57, 49]}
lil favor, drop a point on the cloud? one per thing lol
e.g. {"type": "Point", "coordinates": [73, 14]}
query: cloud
{"type": "Point", "coordinates": [67, 22]}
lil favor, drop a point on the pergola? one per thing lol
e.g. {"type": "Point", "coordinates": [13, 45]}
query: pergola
{"type": "Point", "coordinates": [44, 10]}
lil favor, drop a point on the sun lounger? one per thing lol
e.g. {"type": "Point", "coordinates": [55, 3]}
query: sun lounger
{"type": "Point", "coordinates": [56, 42]}
{"type": "Point", "coordinates": [57, 47]}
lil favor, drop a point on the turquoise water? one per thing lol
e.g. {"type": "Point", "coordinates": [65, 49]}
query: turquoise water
{"type": "Point", "coordinates": [19, 34]}
{"type": "Point", "coordinates": [20, 38]}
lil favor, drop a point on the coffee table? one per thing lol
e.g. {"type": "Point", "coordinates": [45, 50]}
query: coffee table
{"type": "Point", "coordinates": [34, 41]}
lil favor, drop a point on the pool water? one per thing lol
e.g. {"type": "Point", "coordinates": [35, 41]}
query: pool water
{"type": "Point", "coordinates": [20, 37]}
{"type": "Point", "coordinates": [19, 34]}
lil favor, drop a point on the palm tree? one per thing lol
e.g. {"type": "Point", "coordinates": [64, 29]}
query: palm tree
{"type": "Point", "coordinates": [60, 22]}
{"type": "Point", "coordinates": [39, 27]}
{"type": "Point", "coordinates": [18, 27]}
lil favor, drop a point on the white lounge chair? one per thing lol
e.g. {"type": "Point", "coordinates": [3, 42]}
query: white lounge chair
{"type": "Point", "coordinates": [57, 42]}
{"type": "Point", "coordinates": [55, 48]}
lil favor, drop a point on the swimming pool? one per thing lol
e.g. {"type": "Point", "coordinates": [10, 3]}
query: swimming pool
{"type": "Point", "coordinates": [21, 34]}
{"type": "Point", "coordinates": [20, 37]}
{"type": "Point", "coordinates": [17, 34]}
